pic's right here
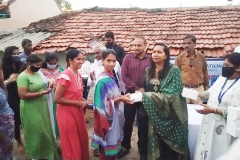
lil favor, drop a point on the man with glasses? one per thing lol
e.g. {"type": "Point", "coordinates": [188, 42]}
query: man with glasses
{"type": "Point", "coordinates": [193, 66]}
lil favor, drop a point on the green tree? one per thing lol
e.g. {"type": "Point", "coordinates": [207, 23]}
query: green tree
{"type": "Point", "coordinates": [65, 5]}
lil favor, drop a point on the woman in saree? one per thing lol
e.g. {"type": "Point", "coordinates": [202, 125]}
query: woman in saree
{"type": "Point", "coordinates": [213, 140]}
{"type": "Point", "coordinates": [70, 109]}
{"type": "Point", "coordinates": [107, 135]}
{"type": "Point", "coordinates": [32, 90]}
{"type": "Point", "coordinates": [6, 123]}
{"type": "Point", "coordinates": [166, 109]}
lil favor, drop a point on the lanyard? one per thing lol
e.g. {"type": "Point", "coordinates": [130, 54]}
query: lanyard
{"type": "Point", "coordinates": [221, 94]}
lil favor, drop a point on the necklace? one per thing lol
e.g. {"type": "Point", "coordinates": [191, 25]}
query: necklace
{"type": "Point", "coordinates": [156, 82]}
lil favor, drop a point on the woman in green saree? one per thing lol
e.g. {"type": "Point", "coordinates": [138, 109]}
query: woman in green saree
{"type": "Point", "coordinates": [166, 109]}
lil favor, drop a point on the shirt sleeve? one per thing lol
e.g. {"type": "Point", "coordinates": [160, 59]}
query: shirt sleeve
{"type": "Point", "coordinates": [90, 82]}
{"type": "Point", "coordinates": [63, 80]}
{"type": "Point", "coordinates": [127, 81]}
{"type": "Point", "coordinates": [22, 80]}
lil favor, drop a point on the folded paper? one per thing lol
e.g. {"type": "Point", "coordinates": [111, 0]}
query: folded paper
{"type": "Point", "coordinates": [190, 93]}
{"type": "Point", "coordinates": [234, 112]}
{"type": "Point", "coordinates": [136, 97]}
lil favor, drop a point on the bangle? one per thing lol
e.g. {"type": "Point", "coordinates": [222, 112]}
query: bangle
{"type": "Point", "coordinates": [215, 111]}
{"type": "Point", "coordinates": [40, 93]}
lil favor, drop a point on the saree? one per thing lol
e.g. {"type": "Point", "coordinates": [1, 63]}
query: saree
{"type": "Point", "coordinates": [106, 129]}
{"type": "Point", "coordinates": [168, 118]}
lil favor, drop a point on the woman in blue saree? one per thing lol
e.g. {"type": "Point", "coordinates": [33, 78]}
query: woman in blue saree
{"type": "Point", "coordinates": [166, 109]}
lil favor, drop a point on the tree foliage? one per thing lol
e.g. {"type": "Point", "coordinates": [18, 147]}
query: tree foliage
{"type": "Point", "coordinates": [65, 5]}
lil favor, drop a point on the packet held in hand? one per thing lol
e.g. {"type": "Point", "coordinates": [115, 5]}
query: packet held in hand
{"type": "Point", "coordinates": [136, 97]}
{"type": "Point", "coordinates": [190, 93]}
{"type": "Point", "coordinates": [90, 106]}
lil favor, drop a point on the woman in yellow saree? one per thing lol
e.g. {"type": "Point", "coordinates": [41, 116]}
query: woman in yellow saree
{"type": "Point", "coordinates": [166, 109]}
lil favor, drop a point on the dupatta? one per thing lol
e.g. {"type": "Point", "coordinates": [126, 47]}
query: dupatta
{"type": "Point", "coordinates": [168, 118]}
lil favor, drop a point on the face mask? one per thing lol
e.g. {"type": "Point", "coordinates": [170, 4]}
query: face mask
{"type": "Point", "coordinates": [228, 71]}
{"type": "Point", "coordinates": [15, 59]}
{"type": "Point", "coordinates": [34, 68]}
{"type": "Point", "coordinates": [51, 66]}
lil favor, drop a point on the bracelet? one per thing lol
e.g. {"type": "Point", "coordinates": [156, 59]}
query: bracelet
{"type": "Point", "coordinates": [40, 93]}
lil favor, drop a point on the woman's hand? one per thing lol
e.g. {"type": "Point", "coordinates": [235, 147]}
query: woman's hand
{"type": "Point", "coordinates": [126, 99]}
{"type": "Point", "coordinates": [13, 77]}
{"type": "Point", "coordinates": [142, 90]}
{"type": "Point", "coordinates": [47, 91]}
{"type": "Point", "coordinates": [206, 110]}
{"type": "Point", "coordinates": [52, 83]}
{"type": "Point", "coordinates": [83, 103]}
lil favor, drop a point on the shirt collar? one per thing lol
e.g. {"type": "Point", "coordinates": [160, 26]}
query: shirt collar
{"type": "Point", "coordinates": [135, 56]}
{"type": "Point", "coordinates": [98, 62]}
{"type": "Point", "coordinates": [195, 52]}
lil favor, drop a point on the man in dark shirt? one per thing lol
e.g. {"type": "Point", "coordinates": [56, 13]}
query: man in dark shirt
{"type": "Point", "coordinates": [27, 50]}
{"type": "Point", "coordinates": [133, 68]}
{"type": "Point", "coordinates": [111, 44]}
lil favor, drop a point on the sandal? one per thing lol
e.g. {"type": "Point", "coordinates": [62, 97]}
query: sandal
{"type": "Point", "coordinates": [96, 153]}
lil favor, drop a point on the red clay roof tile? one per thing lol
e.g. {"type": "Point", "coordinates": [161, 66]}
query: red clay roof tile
{"type": "Point", "coordinates": [217, 28]}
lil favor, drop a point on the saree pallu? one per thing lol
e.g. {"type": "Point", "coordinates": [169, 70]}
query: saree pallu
{"type": "Point", "coordinates": [168, 118]}
{"type": "Point", "coordinates": [7, 128]}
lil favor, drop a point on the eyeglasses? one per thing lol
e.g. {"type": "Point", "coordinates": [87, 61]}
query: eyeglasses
{"type": "Point", "coordinates": [191, 62]}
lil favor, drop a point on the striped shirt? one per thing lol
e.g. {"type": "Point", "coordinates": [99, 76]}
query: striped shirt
{"type": "Point", "coordinates": [133, 70]}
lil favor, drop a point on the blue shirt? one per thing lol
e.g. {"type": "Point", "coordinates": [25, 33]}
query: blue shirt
{"type": "Point", "coordinates": [5, 109]}
{"type": "Point", "coordinates": [23, 57]}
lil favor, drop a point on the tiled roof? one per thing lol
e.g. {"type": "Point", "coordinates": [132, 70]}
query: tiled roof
{"type": "Point", "coordinates": [15, 37]}
{"type": "Point", "coordinates": [217, 28]}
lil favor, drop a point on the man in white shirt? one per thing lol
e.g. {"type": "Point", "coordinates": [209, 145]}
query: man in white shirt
{"type": "Point", "coordinates": [97, 68]}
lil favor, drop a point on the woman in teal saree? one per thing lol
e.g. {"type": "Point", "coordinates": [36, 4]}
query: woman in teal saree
{"type": "Point", "coordinates": [166, 109]}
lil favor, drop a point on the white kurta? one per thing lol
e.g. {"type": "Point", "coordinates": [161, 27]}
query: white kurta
{"type": "Point", "coordinates": [213, 140]}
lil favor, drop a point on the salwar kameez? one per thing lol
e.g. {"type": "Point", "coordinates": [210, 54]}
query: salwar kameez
{"type": "Point", "coordinates": [38, 136]}
{"type": "Point", "coordinates": [70, 119]}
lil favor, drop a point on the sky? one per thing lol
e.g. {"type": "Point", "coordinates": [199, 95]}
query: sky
{"type": "Point", "coordinates": [80, 4]}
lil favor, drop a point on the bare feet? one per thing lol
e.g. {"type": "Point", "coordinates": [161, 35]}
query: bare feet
{"type": "Point", "coordinates": [20, 149]}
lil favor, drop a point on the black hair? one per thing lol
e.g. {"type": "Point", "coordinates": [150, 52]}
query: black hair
{"type": "Point", "coordinates": [26, 41]}
{"type": "Point", "coordinates": [8, 55]}
{"type": "Point", "coordinates": [166, 67]}
{"type": "Point", "coordinates": [109, 34]}
{"type": "Point", "coordinates": [48, 58]}
{"type": "Point", "coordinates": [193, 38]}
{"type": "Point", "coordinates": [7, 59]}
{"type": "Point", "coordinates": [141, 37]}
{"type": "Point", "coordinates": [71, 54]}
{"type": "Point", "coordinates": [233, 58]}
{"type": "Point", "coordinates": [107, 52]}
{"type": "Point", "coordinates": [32, 58]}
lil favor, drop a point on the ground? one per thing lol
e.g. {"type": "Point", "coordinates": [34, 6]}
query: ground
{"type": "Point", "coordinates": [133, 155]}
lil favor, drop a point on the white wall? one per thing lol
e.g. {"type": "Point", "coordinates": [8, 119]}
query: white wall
{"type": "Point", "coordinates": [24, 12]}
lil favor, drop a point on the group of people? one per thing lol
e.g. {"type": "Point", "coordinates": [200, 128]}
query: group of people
{"type": "Point", "coordinates": [49, 102]}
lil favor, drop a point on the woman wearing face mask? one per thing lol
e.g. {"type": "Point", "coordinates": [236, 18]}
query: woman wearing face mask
{"type": "Point", "coordinates": [213, 140]}
{"type": "Point", "coordinates": [11, 66]}
{"type": "Point", "coordinates": [51, 69]}
{"type": "Point", "coordinates": [38, 136]}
